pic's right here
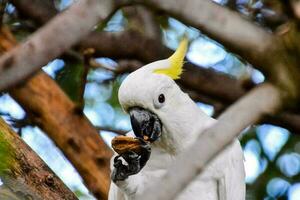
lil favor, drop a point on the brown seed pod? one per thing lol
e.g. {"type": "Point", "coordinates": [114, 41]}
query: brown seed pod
{"type": "Point", "coordinates": [122, 144]}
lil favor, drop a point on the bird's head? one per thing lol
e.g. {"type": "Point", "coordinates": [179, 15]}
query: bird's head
{"type": "Point", "coordinates": [154, 101]}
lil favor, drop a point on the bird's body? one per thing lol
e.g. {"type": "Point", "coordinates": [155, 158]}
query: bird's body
{"type": "Point", "coordinates": [182, 122]}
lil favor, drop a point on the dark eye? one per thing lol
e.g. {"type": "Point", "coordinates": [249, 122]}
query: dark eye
{"type": "Point", "coordinates": [161, 98]}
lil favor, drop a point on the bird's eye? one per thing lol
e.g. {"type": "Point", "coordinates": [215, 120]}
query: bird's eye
{"type": "Point", "coordinates": [161, 98]}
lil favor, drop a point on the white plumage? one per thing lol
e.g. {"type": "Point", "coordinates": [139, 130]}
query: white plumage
{"type": "Point", "coordinates": [182, 121]}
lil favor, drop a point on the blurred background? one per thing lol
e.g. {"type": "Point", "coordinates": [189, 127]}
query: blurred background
{"type": "Point", "coordinates": [272, 154]}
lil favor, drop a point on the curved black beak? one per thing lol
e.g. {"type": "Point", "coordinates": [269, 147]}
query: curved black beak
{"type": "Point", "coordinates": [145, 124]}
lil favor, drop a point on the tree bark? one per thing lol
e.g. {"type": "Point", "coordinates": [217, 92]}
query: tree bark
{"type": "Point", "coordinates": [67, 126]}
{"type": "Point", "coordinates": [24, 173]}
{"type": "Point", "coordinates": [50, 108]}
{"type": "Point", "coordinates": [52, 40]}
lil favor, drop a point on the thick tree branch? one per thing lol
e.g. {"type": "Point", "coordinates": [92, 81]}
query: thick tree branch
{"type": "Point", "coordinates": [133, 45]}
{"type": "Point", "coordinates": [205, 82]}
{"type": "Point", "coordinates": [24, 173]}
{"type": "Point", "coordinates": [229, 28]}
{"type": "Point", "coordinates": [142, 20]}
{"type": "Point", "coordinates": [52, 40]}
{"type": "Point", "coordinates": [264, 99]}
{"type": "Point", "coordinates": [64, 122]}
{"type": "Point", "coordinates": [267, 52]}
{"type": "Point", "coordinates": [40, 11]}
{"type": "Point", "coordinates": [290, 121]}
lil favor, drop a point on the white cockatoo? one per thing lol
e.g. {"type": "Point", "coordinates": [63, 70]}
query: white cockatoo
{"type": "Point", "coordinates": [167, 117]}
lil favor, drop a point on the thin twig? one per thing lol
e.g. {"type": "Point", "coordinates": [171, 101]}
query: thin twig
{"type": "Point", "coordinates": [94, 64]}
{"type": "Point", "coordinates": [117, 131]}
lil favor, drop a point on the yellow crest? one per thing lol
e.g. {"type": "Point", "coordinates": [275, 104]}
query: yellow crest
{"type": "Point", "coordinates": [175, 70]}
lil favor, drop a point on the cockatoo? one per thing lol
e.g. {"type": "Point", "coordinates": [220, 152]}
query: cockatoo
{"type": "Point", "coordinates": [171, 121]}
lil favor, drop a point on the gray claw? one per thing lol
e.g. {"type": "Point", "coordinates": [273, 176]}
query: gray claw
{"type": "Point", "coordinates": [135, 162]}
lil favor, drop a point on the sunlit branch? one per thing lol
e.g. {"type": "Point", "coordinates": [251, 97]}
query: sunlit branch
{"type": "Point", "coordinates": [52, 40]}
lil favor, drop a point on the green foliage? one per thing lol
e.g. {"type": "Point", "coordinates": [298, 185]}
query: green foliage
{"type": "Point", "coordinates": [258, 189]}
{"type": "Point", "coordinates": [113, 100]}
{"type": "Point", "coordinates": [163, 21]}
{"type": "Point", "coordinates": [71, 80]}
{"type": "Point", "coordinates": [5, 153]}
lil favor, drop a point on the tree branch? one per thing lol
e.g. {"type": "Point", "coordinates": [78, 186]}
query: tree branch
{"type": "Point", "coordinates": [142, 20]}
{"type": "Point", "coordinates": [268, 53]}
{"type": "Point", "coordinates": [40, 11]}
{"type": "Point", "coordinates": [117, 131]}
{"type": "Point", "coordinates": [27, 58]}
{"type": "Point", "coordinates": [63, 121]}
{"type": "Point", "coordinates": [132, 44]}
{"type": "Point", "coordinates": [264, 99]}
{"type": "Point", "coordinates": [24, 173]}
{"type": "Point", "coordinates": [205, 82]}
{"type": "Point", "coordinates": [66, 125]}
{"type": "Point", "coordinates": [229, 28]}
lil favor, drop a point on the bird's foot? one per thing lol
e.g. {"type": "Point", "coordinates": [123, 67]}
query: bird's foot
{"type": "Point", "coordinates": [135, 162]}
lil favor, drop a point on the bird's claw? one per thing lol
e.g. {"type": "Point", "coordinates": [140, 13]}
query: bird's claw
{"type": "Point", "coordinates": [135, 162]}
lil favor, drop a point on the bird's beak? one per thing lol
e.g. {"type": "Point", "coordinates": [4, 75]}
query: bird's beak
{"type": "Point", "coordinates": [145, 124]}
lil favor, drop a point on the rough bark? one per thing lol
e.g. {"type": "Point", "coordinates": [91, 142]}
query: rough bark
{"type": "Point", "coordinates": [52, 40]}
{"type": "Point", "coordinates": [66, 125]}
{"type": "Point", "coordinates": [50, 108]}
{"type": "Point", "coordinates": [24, 173]}
{"type": "Point", "coordinates": [265, 99]}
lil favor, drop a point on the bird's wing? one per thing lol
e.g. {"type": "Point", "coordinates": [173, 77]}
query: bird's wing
{"type": "Point", "coordinates": [231, 185]}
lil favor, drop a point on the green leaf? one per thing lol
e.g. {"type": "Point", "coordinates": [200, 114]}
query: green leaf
{"type": "Point", "coordinates": [114, 100]}
{"type": "Point", "coordinates": [71, 80]}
